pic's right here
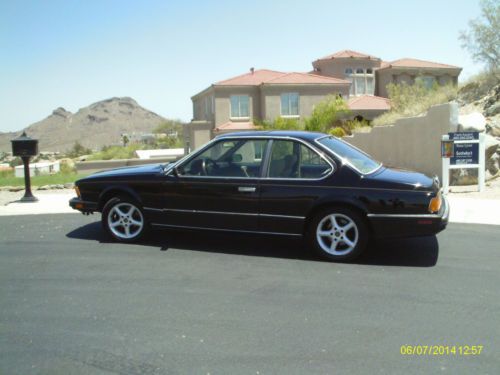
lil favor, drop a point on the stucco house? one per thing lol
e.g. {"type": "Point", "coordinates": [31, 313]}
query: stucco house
{"type": "Point", "coordinates": [361, 79]}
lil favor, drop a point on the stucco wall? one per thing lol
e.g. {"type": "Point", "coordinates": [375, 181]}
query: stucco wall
{"type": "Point", "coordinates": [336, 67]}
{"type": "Point", "coordinates": [223, 102]}
{"type": "Point", "coordinates": [413, 143]}
{"type": "Point", "coordinates": [308, 98]}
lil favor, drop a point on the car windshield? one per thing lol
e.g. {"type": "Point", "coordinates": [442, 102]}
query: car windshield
{"type": "Point", "coordinates": [354, 157]}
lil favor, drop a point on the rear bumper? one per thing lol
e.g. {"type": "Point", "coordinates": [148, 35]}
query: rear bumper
{"type": "Point", "coordinates": [83, 206]}
{"type": "Point", "coordinates": [415, 225]}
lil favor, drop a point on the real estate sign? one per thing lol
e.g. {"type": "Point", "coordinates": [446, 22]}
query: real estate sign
{"type": "Point", "coordinates": [463, 150]}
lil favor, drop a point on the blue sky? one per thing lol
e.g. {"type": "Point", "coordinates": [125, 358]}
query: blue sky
{"type": "Point", "coordinates": [72, 53]}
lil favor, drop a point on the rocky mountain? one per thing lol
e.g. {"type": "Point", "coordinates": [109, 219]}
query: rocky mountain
{"type": "Point", "coordinates": [97, 125]}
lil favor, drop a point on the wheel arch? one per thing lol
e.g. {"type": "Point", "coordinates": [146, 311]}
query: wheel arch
{"type": "Point", "coordinates": [113, 191]}
{"type": "Point", "coordinates": [345, 203]}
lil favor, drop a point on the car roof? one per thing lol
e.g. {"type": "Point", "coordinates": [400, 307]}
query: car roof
{"type": "Point", "coordinates": [309, 136]}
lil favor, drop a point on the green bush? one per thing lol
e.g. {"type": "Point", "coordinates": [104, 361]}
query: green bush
{"type": "Point", "coordinates": [337, 132]}
{"type": "Point", "coordinates": [117, 152]}
{"type": "Point", "coordinates": [280, 123]}
{"type": "Point", "coordinates": [327, 114]}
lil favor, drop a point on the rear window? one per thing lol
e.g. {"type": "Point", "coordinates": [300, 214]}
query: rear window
{"type": "Point", "coordinates": [351, 155]}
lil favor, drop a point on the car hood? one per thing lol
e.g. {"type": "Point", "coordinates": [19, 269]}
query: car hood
{"type": "Point", "coordinates": [147, 169]}
{"type": "Point", "coordinates": [393, 178]}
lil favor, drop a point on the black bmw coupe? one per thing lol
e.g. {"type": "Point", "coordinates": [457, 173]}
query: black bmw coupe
{"type": "Point", "coordinates": [272, 182]}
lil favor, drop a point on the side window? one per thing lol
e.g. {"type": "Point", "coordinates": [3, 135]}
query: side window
{"type": "Point", "coordinates": [291, 159]}
{"type": "Point", "coordinates": [234, 158]}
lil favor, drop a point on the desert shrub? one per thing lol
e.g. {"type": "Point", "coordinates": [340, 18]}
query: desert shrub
{"type": "Point", "coordinates": [337, 132]}
{"type": "Point", "coordinates": [479, 85]}
{"type": "Point", "coordinates": [280, 123]}
{"type": "Point", "coordinates": [327, 114]}
{"type": "Point", "coordinates": [413, 100]}
{"type": "Point", "coordinates": [78, 150]}
{"type": "Point", "coordinates": [117, 152]}
{"type": "Point", "coordinates": [16, 161]}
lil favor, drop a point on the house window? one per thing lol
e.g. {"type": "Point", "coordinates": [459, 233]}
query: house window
{"type": "Point", "coordinates": [362, 81]}
{"type": "Point", "coordinates": [428, 81]}
{"type": "Point", "coordinates": [239, 106]}
{"type": "Point", "coordinates": [290, 104]}
{"type": "Point", "coordinates": [348, 77]}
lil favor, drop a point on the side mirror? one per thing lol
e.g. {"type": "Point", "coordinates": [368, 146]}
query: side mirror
{"type": "Point", "coordinates": [175, 172]}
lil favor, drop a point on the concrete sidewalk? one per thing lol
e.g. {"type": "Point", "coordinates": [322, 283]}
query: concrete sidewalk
{"type": "Point", "coordinates": [462, 209]}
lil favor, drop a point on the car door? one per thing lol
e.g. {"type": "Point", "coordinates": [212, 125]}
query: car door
{"type": "Point", "coordinates": [218, 188]}
{"type": "Point", "coordinates": [294, 179]}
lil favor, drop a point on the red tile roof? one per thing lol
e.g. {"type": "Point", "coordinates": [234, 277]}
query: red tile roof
{"type": "Point", "coordinates": [415, 63]}
{"type": "Point", "coordinates": [235, 126]}
{"type": "Point", "coordinates": [369, 102]}
{"type": "Point", "coordinates": [349, 54]}
{"type": "Point", "coordinates": [305, 78]}
{"type": "Point", "coordinates": [261, 76]}
{"type": "Point", "coordinates": [254, 78]}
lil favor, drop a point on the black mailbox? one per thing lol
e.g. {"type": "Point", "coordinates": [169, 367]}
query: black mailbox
{"type": "Point", "coordinates": [24, 146]}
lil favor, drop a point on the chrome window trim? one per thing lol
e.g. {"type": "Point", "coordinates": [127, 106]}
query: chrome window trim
{"type": "Point", "coordinates": [227, 230]}
{"type": "Point", "coordinates": [318, 151]}
{"type": "Point", "coordinates": [344, 160]}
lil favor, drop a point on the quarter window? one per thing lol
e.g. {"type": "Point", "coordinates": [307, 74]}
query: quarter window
{"type": "Point", "coordinates": [290, 104]}
{"type": "Point", "coordinates": [291, 159]}
{"type": "Point", "coordinates": [239, 106]}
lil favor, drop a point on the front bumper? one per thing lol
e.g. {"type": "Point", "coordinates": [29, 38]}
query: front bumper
{"type": "Point", "coordinates": [85, 207]}
{"type": "Point", "coordinates": [413, 225]}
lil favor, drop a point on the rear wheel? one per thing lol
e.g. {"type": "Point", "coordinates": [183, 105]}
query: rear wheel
{"type": "Point", "coordinates": [338, 233]}
{"type": "Point", "coordinates": [123, 219]}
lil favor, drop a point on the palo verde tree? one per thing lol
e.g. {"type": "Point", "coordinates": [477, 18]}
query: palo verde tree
{"type": "Point", "coordinates": [482, 39]}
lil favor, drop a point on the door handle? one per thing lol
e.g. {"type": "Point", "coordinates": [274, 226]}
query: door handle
{"type": "Point", "coordinates": [246, 189]}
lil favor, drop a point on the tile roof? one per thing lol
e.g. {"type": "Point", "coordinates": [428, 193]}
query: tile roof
{"type": "Point", "coordinates": [369, 102]}
{"type": "Point", "coordinates": [415, 63]}
{"type": "Point", "coordinates": [349, 54]}
{"type": "Point", "coordinates": [234, 126]}
{"type": "Point", "coordinates": [305, 78]}
{"type": "Point", "coordinates": [261, 76]}
{"type": "Point", "coordinates": [254, 78]}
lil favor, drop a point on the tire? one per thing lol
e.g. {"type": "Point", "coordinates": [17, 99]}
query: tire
{"type": "Point", "coordinates": [338, 233]}
{"type": "Point", "coordinates": [123, 219]}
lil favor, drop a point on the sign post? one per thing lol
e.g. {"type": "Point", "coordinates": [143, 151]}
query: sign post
{"type": "Point", "coordinates": [463, 150]}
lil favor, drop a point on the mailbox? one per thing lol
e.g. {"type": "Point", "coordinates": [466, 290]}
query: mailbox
{"type": "Point", "coordinates": [24, 146]}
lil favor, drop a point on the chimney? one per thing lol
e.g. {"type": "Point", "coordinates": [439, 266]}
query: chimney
{"type": "Point", "coordinates": [252, 70]}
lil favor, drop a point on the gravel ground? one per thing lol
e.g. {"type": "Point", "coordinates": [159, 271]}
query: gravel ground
{"type": "Point", "coordinates": [492, 190]}
{"type": "Point", "coordinates": [7, 197]}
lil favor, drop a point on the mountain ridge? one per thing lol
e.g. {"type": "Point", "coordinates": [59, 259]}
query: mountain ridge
{"type": "Point", "coordinates": [94, 126]}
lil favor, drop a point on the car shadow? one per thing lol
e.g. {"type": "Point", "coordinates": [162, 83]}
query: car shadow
{"type": "Point", "coordinates": [410, 252]}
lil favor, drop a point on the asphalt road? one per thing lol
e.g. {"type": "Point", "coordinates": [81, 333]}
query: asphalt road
{"type": "Point", "coordinates": [199, 303]}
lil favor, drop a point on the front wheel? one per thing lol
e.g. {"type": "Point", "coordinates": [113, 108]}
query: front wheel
{"type": "Point", "coordinates": [338, 234]}
{"type": "Point", "coordinates": [123, 219]}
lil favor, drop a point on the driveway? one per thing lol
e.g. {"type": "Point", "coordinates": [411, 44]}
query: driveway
{"type": "Point", "coordinates": [198, 303]}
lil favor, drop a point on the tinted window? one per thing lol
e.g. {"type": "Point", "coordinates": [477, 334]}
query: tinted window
{"type": "Point", "coordinates": [359, 160]}
{"type": "Point", "coordinates": [235, 158]}
{"type": "Point", "coordinates": [291, 159]}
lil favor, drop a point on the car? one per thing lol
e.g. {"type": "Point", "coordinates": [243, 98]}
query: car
{"type": "Point", "coordinates": [289, 183]}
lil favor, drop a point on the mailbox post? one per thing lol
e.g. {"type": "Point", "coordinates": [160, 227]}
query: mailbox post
{"type": "Point", "coordinates": [25, 147]}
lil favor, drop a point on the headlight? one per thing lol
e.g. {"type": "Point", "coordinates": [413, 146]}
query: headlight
{"type": "Point", "coordinates": [435, 204]}
{"type": "Point", "coordinates": [77, 192]}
